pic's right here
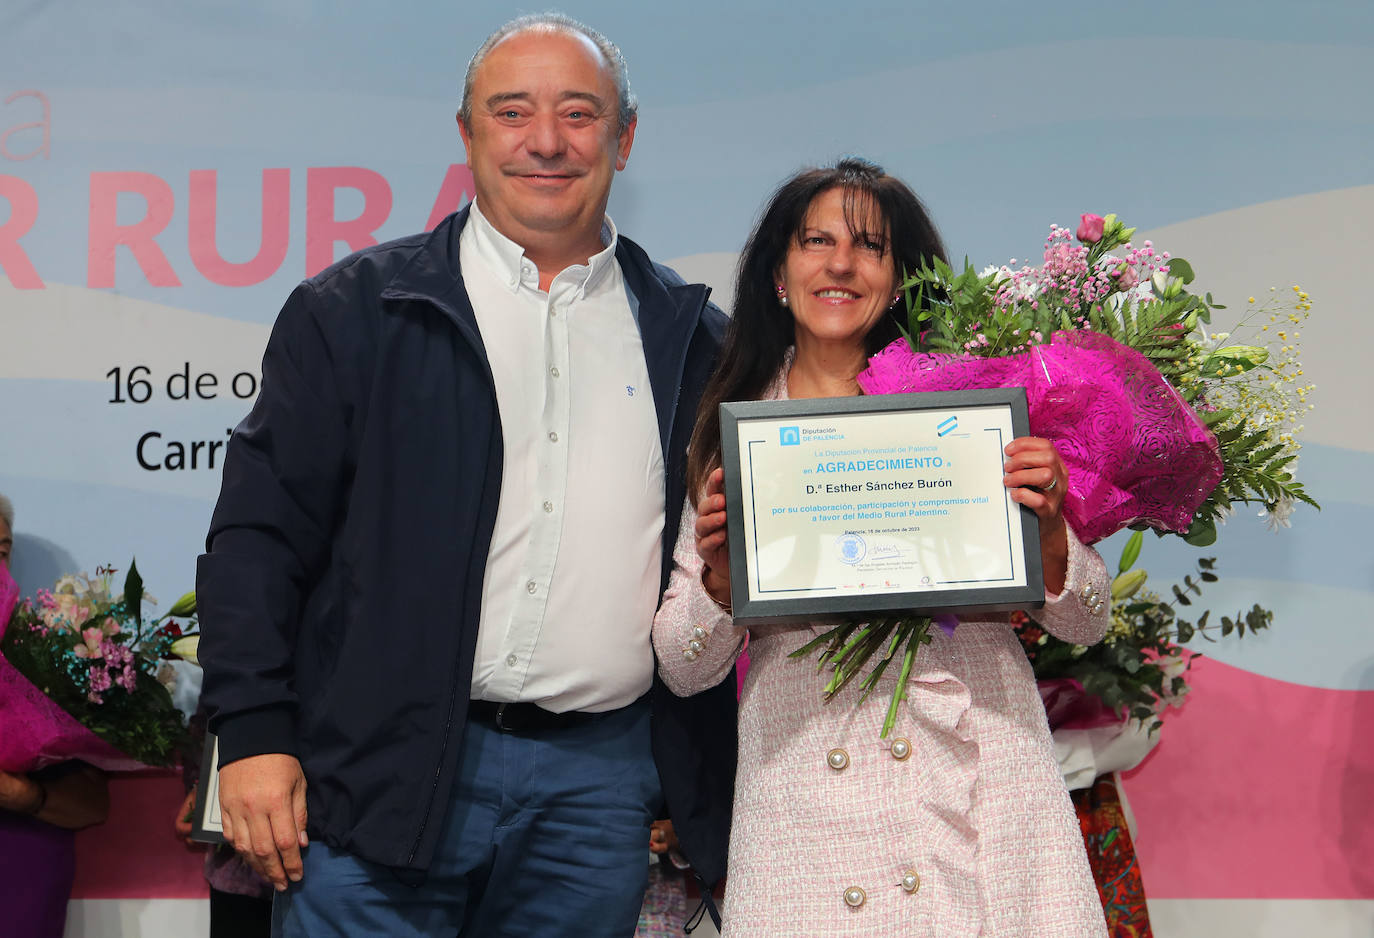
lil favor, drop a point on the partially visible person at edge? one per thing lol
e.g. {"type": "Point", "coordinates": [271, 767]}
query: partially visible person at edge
{"type": "Point", "coordinates": [39, 814]}
{"type": "Point", "coordinates": [958, 824]}
{"type": "Point", "coordinates": [429, 580]}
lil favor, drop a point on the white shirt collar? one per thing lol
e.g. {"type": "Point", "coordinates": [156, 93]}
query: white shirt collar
{"type": "Point", "coordinates": [507, 259]}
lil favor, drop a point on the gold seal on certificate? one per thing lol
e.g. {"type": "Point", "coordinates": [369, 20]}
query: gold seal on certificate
{"type": "Point", "coordinates": [853, 507]}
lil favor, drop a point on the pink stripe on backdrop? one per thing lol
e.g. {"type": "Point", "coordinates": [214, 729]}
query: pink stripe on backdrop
{"type": "Point", "coordinates": [1259, 789]}
{"type": "Point", "coordinates": [135, 854]}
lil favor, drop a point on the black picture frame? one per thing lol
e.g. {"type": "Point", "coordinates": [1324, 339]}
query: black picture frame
{"type": "Point", "coordinates": [206, 826]}
{"type": "Point", "coordinates": [828, 606]}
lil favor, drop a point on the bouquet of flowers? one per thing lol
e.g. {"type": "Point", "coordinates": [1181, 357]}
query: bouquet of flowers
{"type": "Point", "coordinates": [1138, 670]}
{"type": "Point", "coordinates": [84, 675]}
{"type": "Point", "coordinates": [1160, 423]}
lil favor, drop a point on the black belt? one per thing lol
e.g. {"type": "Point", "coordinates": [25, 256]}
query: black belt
{"type": "Point", "coordinates": [525, 717]}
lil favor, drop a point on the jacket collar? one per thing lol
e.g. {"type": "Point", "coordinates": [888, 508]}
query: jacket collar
{"type": "Point", "coordinates": [668, 312]}
{"type": "Point", "coordinates": [432, 274]}
{"type": "Point", "coordinates": [668, 315]}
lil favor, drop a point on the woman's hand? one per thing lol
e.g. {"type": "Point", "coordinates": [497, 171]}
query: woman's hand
{"type": "Point", "coordinates": [1038, 479]}
{"type": "Point", "coordinates": [713, 543]}
{"type": "Point", "coordinates": [20, 794]}
{"type": "Point", "coordinates": [72, 795]}
{"type": "Point", "coordinates": [662, 837]}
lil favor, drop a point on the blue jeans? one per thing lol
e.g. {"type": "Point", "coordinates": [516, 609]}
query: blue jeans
{"type": "Point", "coordinates": [545, 836]}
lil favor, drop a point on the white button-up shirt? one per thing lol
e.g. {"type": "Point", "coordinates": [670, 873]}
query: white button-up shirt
{"type": "Point", "coordinates": [572, 577]}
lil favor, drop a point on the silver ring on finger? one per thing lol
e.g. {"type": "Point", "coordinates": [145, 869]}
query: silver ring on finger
{"type": "Point", "coordinates": [1050, 488]}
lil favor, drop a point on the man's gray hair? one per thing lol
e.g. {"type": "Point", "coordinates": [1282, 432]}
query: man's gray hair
{"type": "Point", "coordinates": [7, 512]}
{"type": "Point", "coordinates": [555, 22]}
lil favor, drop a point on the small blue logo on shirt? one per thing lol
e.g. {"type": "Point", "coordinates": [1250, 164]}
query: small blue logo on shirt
{"type": "Point", "coordinates": [629, 390]}
{"type": "Point", "coordinates": [789, 436]}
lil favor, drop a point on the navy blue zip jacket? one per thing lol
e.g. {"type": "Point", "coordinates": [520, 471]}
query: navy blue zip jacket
{"type": "Point", "coordinates": [339, 592]}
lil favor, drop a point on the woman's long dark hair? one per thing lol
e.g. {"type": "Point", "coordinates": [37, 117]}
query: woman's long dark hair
{"type": "Point", "coordinates": [760, 329]}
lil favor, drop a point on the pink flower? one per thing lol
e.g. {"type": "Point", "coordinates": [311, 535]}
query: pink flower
{"type": "Point", "coordinates": [65, 612]}
{"type": "Point", "coordinates": [1090, 229]}
{"type": "Point", "coordinates": [128, 678]}
{"type": "Point", "coordinates": [100, 682]}
{"type": "Point", "coordinates": [1126, 277]}
{"type": "Point", "coordinates": [90, 648]}
{"type": "Point", "coordinates": [115, 654]}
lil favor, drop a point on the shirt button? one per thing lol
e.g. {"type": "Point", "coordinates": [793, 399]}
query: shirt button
{"type": "Point", "coordinates": [553, 437]}
{"type": "Point", "coordinates": [901, 748]}
{"type": "Point", "coordinates": [854, 897]}
{"type": "Point", "coordinates": [837, 759]}
{"type": "Point", "coordinates": [554, 371]}
{"type": "Point", "coordinates": [911, 881]}
{"type": "Point", "coordinates": [510, 660]}
{"type": "Point", "coordinates": [530, 587]}
{"type": "Point", "coordinates": [548, 507]}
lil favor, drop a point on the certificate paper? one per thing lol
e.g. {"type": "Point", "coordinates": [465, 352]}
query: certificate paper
{"type": "Point", "coordinates": [845, 507]}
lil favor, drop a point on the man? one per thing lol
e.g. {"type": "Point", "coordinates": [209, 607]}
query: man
{"type": "Point", "coordinates": [442, 535]}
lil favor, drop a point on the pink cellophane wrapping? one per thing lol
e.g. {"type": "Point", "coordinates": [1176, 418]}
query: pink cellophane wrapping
{"type": "Point", "coordinates": [1135, 451]}
{"type": "Point", "coordinates": [34, 731]}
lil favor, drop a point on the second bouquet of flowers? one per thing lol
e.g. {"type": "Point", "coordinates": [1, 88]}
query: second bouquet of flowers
{"type": "Point", "coordinates": [84, 675]}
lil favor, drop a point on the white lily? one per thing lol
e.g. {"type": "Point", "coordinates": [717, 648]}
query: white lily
{"type": "Point", "coordinates": [187, 648]}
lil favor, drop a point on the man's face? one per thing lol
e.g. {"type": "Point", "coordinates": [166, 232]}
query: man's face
{"type": "Point", "coordinates": [543, 139]}
{"type": "Point", "coordinates": [6, 543]}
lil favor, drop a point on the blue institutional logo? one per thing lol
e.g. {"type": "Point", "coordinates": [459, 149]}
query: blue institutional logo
{"type": "Point", "coordinates": [789, 436]}
{"type": "Point", "coordinates": [948, 425]}
{"type": "Point", "coordinates": [852, 548]}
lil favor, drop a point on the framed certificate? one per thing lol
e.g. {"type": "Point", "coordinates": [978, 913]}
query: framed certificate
{"type": "Point", "coordinates": [854, 507]}
{"type": "Point", "coordinates": [205, 818]}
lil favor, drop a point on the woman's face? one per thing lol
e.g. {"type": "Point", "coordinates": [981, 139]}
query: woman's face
{"type": "Point", "coordinates": [838, 283]}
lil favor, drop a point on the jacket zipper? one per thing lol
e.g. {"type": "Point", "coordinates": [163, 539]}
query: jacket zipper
{"type": "Point", "coordinates": [453, 687]}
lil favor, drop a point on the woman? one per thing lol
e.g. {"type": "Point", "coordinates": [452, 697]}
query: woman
{"type": "Point", "coordinates": [958, 824]}
{"type": "Point", "coordinates": [39, 811]}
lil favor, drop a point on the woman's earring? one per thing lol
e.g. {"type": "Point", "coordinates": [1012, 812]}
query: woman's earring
{"type": "Point", "coordinates": [782, 295]}
{"type": "Point", "coordinates": [895, 300]}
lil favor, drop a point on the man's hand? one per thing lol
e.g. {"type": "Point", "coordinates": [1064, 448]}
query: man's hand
{"type": "Point", "coordinates": [262, 808]}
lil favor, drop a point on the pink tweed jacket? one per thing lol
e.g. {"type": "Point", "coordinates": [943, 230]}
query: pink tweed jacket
{"type": "Point", "coordinates": [957, 825]}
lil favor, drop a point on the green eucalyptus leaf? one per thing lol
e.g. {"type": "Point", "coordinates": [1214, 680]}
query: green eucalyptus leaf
{"type": "Point", "coordinates": [1181, 269]}
{"type": "Point", "coordinates": [1202, 532]}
